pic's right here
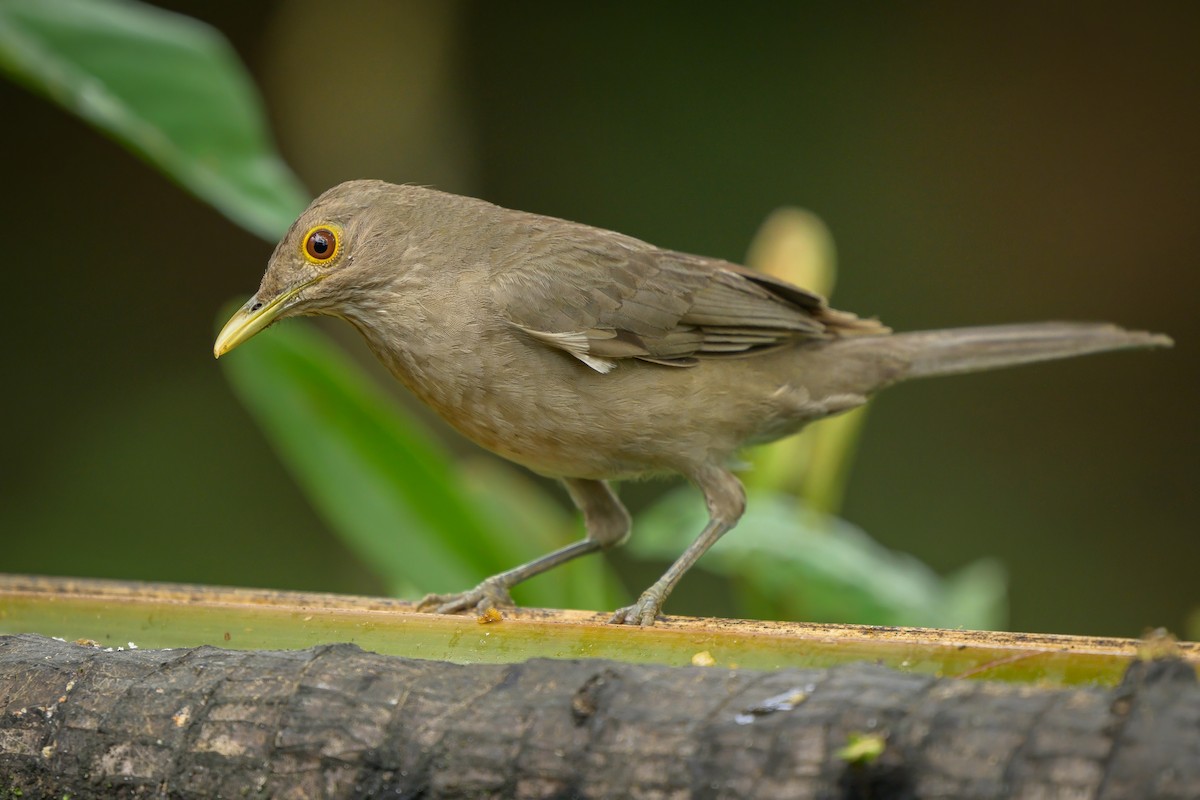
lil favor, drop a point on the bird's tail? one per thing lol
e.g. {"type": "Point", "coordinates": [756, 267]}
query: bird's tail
{"type": "Point", "coordinates": [957, 350]}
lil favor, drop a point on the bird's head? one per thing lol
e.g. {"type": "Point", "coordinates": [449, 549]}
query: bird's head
{"type": "Point", "coordinates": [333, 255]}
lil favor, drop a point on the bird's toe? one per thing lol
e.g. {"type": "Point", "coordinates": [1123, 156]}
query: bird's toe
{"type": "Point", "coordinates": [644, 613]}
{"type": "Point", "coordinates": [489, 594]}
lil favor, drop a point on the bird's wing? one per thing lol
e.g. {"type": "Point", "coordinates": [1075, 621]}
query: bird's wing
{"type": "Point", "coordinates": [603, 297]}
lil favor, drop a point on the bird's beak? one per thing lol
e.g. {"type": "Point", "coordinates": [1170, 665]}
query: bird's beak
{"type": "Point", "coordinates": [253, 317]}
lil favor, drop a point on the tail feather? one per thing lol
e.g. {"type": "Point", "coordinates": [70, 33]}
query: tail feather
{"type": "Point", "coordinates": [958, 350]}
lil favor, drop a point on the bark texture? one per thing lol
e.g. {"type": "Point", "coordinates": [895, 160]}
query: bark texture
{"type": "Point", "coordinates": [335, 721]}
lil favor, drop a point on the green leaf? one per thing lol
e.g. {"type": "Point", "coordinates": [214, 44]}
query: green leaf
{"type": "Point", "coordinates": [394, 495]}
{"type": "Point", "coordinates": [167, 87]}
{"type": "Point", "coordinates": [171, 89]}
{"type": "Point", "coordinates": [389, 489]}
{"type": "Point", "coordinates": [535, 525]}
{"type": "Point", "coordinates": [796, 246]}
{"type": "Point", "coordinates": [790, 562]}
{"type": "Point", "coordinates": [977, 595]}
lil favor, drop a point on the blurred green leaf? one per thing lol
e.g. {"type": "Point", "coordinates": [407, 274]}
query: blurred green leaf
{"type": "Point", "coordinates": [168, 87]}
{"type": "Point", "coordinates": [805, 565]}
{"type": "Point", "coordinates": [388, 488]}
{"type": "Point", "coordinates": [392, 492]}
{"type": "Point", "coordinates": [796, 246]}
{"type": "Point", "coordinates": [977, 595]}
{"type": "Point", "coordinates": [535, 525]}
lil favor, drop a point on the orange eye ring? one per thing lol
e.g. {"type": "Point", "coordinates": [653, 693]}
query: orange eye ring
{"type": "Point", "coordinates": [320, 245]}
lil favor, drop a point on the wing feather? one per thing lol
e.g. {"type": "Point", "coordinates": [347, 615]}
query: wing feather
{"type": "Point", "coordinates": [603, 297]}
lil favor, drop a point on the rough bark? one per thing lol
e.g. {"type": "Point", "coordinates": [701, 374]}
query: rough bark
{"type": "Point", "coordinates": [335, 721]}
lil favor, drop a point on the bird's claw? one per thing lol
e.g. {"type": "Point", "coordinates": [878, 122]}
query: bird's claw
{"type": "Point", "coordinates": [644, 612]}
{"type": "Point", "coordinates": [489, 594]}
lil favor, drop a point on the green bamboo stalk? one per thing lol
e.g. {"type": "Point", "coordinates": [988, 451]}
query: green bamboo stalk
{"type": "Point", "coordinates": [156, 615]}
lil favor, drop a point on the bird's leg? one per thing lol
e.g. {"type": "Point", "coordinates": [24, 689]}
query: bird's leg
{"type": "Point", "coordinates": [493, 591]}
{"type": "Point", "coordinates": [726, 501]}
{"type": "Point", "coordinates": [607, 524]}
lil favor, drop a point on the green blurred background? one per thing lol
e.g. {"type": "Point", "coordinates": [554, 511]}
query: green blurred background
{"type": "Point", "coordinates": [976, 164]}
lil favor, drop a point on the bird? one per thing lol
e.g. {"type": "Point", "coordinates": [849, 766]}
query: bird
{"type": "Point", "coordinates": [593, 357]}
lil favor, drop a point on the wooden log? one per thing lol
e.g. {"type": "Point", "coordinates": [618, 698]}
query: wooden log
{"type": "Point", "coordinates": [336, 721]}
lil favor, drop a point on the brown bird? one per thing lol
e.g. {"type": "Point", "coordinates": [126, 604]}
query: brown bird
{"type": "Point", "coordinates": [591, 356]}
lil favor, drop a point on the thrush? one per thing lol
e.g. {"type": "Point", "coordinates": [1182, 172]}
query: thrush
{"type": "Point", "coordinates": [590, 356]}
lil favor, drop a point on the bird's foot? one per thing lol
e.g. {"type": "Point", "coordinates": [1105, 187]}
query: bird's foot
{"type": "Point", "coordinates": [489, 594]}
{"type": "Point", "coordinates": [644, 612]}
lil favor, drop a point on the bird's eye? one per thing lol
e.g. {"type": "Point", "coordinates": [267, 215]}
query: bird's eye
{"type": "Point", "coordinates": [320, 245]}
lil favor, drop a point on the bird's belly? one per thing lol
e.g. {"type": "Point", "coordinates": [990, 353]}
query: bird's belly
{"type": "Point", "coordinates": [546, 437]}
{"type": "Point", "coordinates": [551, 413]}
{"type": "Point", "coordinates": [636, 421]}
{"type": "Point", "coordinates": [534, 423]}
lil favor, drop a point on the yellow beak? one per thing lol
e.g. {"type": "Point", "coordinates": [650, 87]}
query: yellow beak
{"type": "Point", "coordinates": [253, 317]}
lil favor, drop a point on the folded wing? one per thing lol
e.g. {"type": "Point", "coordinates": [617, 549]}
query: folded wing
{"type": "Point", "coordinates": [603, 297]}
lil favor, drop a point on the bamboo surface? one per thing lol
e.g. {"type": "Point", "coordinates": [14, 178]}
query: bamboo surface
{"type": "Point", "coordinates": [160, 615]}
